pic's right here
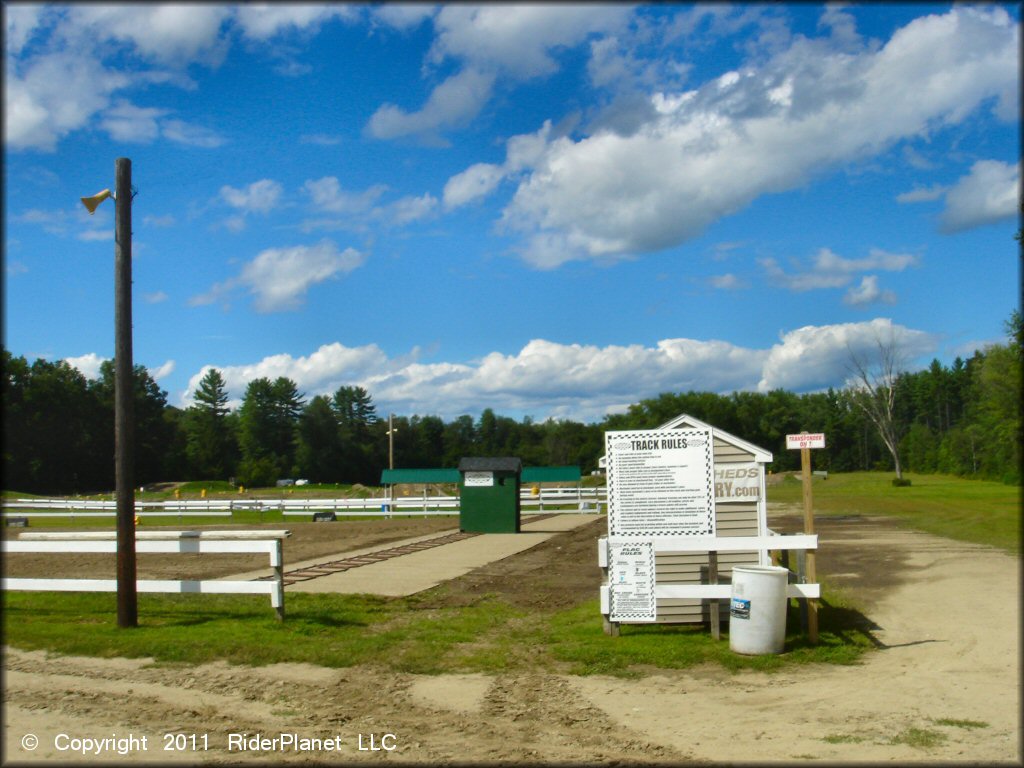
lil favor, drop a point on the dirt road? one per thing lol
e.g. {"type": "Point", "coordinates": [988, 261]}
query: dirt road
{"type": "Point", "coordinates": [944, 685]}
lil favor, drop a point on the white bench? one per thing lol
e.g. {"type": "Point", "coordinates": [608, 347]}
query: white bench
{"type": "Point", "coordinates": [712, 591]}
{"type": "Point", "coordinates": [234, 542]}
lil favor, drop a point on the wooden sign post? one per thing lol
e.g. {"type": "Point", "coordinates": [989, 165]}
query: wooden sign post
{"type": "Point", "coordinates": [805, 442]}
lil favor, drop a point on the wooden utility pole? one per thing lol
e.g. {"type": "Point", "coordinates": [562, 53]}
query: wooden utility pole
{"type": "Point", "coordinates": [124, 412]}
{"type": "Point", "coordinates": [391, 441]}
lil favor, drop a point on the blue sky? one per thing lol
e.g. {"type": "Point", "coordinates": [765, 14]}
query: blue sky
{"type": "Point", "coordinates": [552, 211]}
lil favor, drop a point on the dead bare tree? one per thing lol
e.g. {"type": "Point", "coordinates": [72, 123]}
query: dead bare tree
{"type": "Point", "coordinates": [874, 391]}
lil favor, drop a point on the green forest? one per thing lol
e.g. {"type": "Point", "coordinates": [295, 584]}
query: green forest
{"type": "Point", "coordinates": [963, 419]}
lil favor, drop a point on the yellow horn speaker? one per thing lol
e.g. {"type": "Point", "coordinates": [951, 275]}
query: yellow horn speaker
{"type": "Point", "coordinates": [92, 202]}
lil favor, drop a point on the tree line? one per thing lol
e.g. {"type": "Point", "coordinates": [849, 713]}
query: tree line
{"type": "Point", "coordinates": [962, 419]}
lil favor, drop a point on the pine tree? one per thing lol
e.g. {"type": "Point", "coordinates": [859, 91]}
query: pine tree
{"type": "Point", "coordinates": [210, 445]}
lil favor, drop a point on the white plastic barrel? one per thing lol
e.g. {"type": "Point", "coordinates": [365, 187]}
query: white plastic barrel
{"type": "Point", "coordinates": [757, 610]}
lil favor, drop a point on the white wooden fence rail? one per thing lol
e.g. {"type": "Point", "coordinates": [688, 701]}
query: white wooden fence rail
{"type": "Point", "coordinates": [584, 500]}
{"type": "Point", "coordinates": [223, 542]}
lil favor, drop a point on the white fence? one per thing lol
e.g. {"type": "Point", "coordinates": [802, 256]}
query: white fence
{"type": "Point", "coordinates": [577, 499]}
{"type": "Point", "coordinates": [234, 542]}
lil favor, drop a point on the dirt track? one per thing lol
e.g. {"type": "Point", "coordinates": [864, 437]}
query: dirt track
{"type": "Point", "coordinates": [942, 687]}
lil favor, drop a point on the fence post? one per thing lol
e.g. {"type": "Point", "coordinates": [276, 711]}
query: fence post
{"type": "Point", "coordinates": [716, 621]}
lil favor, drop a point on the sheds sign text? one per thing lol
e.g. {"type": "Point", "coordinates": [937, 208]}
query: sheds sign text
{"type": "Point", "coordinates": [660, 483]}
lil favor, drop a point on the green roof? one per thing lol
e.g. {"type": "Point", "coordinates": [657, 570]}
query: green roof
{"type": "Point", "coordinates": [550, 475]}
{"type": "Point", "coordinates": [569, 474]}
{"type": "Point", "coordinates": [395, 476]}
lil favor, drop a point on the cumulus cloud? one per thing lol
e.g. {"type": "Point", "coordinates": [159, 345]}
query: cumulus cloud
{"type": "Point", "coordinates": [518, 39]}
{"type": "Point", "coordinates": [578, 381]}
{"type": "Point", "coordinates": [322, 372]}
{"type": "Point", "coordinates": [259, 197]}
{"type": "Point", "coordinates": [189, 134]}
{"type": "Point", "coordinates": [279, 278]}
{"type": "Point", "coordinates": [988, 194]}
{"type": "Point", "coordinates": [163, 371]}
{"type": "Point", "coordinates": [816, 357]}
{"type": "Point", "coordinates": [453, 103]}
{"type": "Point", "coordinates": [48, 97]}
{"type": "Point", "coordinates": [727, 282]}
{"type": "Point", "coordinates": [868, 292]}
{"type": "Point", "coordinates": [174, 33]}
{"type": "Point", "coordinates": [126, 122]}
{"type": "Point", "coordinates": [829, 270]}
{"type": "Point", "coordinates": [475, 182]}
{"type": "Point", "coordinates": [355, 210]}
{"type": "Point", "coordinates": [409, 209]}
{"type": "Point", "coordinates": [88, 365]}
{"type": "Point", "coordinates": [70, 68]}
{"type": "Point", "coordinates": [491, 42]}
{"type": "Point", "coordinates": [922, 194]}
{"type": "Point", "coordinates": [264, 21]}
{"type": "Point", "coordinates": [707, 153]}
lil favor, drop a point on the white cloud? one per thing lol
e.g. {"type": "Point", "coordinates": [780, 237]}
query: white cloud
{"type": "Point", "coordinates": [410, 209]}
{"type": "Point", "coordinates": [192, 135]}
{"type": "Point", "coordinates": [519, 39]}
{"type": "Point", "coordinates": [452, 104]}
{"type": "Point", "coordinates": [88, 365]}
{"type": "Point", "coordinates": [829, 270]}
{"type": "Point", "coordinates": [259, 197]}
{"type": "Point", "coordinates": [21, 21]}
{"type": "Point", "coordinates": [48, 97]}
{"type": "Point", "coordinates": [816, 357]}
{"type": "Point", "coordinates": [182, 33]}
{"type": "Point", "coordinates": [988, 194]}
{"type": "Point", "coordinates": [156, 297]}
{"type": "Point", "coordinates": [473, 183]}
{"type": "Point", "coordinates": [322, 372]}
{"type": "Point", "coordinates": [264, 21]}
{"type": "Point", "coordinates": [578, 381]}
{"type": "Point", "coordinates": [403, 16]}
{"type": "Point", "coordinates": [727, 282]}
{"type": "Point", "coordinates": [279, 278]}
{"type": "Point", "coordinates": [355, 210]}
{"type": "Point", "coordinates": [62, 81]}
{"type": "Point", "coordinates": [327, 195]}
{"type": "Point", "coordinates": [126, 122]}
{"type": "Point", "coordinates": [922, 194]}
{"type": "Point", "coordinates": [712, 151]}
{"type": "Point", "coordinates": [868, 292]}
{"type": "Point", "coordinates": [515, 42]}
{"type": "Point", "coordinates": [163, 371]}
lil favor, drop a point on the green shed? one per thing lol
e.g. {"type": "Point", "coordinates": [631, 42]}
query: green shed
{"type": "Point", "coordinates": [489, 494]}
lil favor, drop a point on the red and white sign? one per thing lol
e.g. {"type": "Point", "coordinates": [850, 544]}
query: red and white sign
{"type": "Point", "coordinates": [806, 440]}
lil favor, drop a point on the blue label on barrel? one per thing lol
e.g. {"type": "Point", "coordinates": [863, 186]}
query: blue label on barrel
{"type": "Point", "coordinates": [739, 609]}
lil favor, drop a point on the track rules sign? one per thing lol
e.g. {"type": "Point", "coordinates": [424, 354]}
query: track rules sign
{"type": "Point", "coordinates": [660, 483]}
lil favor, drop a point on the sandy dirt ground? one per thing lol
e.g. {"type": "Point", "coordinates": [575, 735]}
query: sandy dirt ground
{"type": "Point", "coordinates": [943, 685]}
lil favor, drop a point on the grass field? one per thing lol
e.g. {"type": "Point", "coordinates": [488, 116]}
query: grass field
{"type": "Point", "coordinates": [397, 633]}
{"type": "Point", "coordinates": [491, 635]}
{"type": "Point", "coordinates": [977, 511]}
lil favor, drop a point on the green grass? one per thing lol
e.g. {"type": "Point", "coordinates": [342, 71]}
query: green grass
{"type": "Point", "coordinates": [977, 511]}
{"type": "Point", "coordinates": [838, 738]}
{"type": "Point", "coordinates": [955, 723]}
{"type": "Point", "coordinates": [408, 634]}
{"type": "Point", "coordinates": [413, 634]}
{"type": "Point", "coordinates": [919, 738]}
